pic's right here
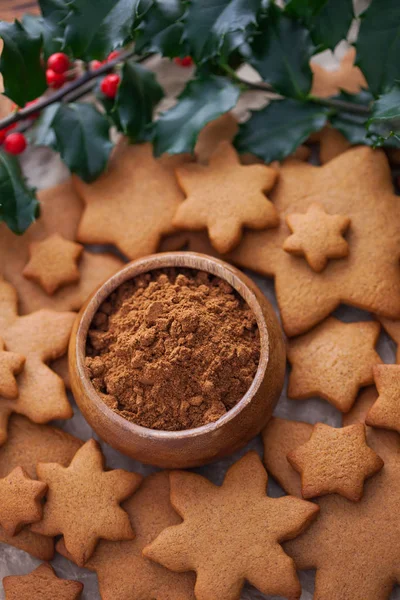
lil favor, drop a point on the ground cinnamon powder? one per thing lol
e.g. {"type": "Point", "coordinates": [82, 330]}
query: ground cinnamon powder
{"type": "Point", "coordinates": [173, 349]}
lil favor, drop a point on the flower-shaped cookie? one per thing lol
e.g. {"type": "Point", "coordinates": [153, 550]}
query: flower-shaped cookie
{"type": "Point", "coordinates": [232, 533]}
{"type": "Point", "coordinates": [335, 461]}
{"type": "Point", "coordinates": [317, 235]}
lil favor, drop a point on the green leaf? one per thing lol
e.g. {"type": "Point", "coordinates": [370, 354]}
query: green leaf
{"type": "Point", "coordinates": [94, 29]}
{"type": "Point", "coordinates": [82, 135]}
{"type": "Point", "coordinates": [203, 100]}
{"type": "Point", "coordinates": [328, 20]}
{"type": "Point", "coordinates": [138, 94]}
{"type": "Point", "coordinates": [281, 54]}
{"type": "Point", "coordinates": [54, 14]}
{"type": "Point", "coordinates": [42, 132]}
{"type": "Point", "coordinates": [161, 29]}
{"type": "Point", "coordinates": [275, 131]}
{"type": "Point", "coordinates": [18, 204]}
{"type": "Point", "coordinates": [32, 24]}
{"type": "Point", "coordinates": [387, 106]}
{"type": "Point", "coordinates": [217, 28]}
{"type": "Point", "coordinates": [20, 64]}
{"type": "Point", "coordinates": [378, 45]}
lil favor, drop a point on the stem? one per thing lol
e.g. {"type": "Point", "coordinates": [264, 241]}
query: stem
{"type": "Point", "coordinates": [88, 76]}
{"type": "Point", "coordinates": [358, 109]}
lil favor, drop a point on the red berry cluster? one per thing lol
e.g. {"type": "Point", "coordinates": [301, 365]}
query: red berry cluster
{"type": "Point", "coordinates": [57, 67]}
{"type": "Point", "coordinates": [186, 61]}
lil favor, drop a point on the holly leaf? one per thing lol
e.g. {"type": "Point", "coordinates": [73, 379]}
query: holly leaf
{"type": "Point", "coordinates": [328, 20]}
{"type": "Point", "coordinates": [18, 204]}
{"type": "Point", "coordinates": [94, 29]}
{"type": "Point", "coordinates": [203, 100]}
{"type": "Point", "coordinates": [281, 54]}
{"type": "Point", "coordinates": [42, 133]}
{"type": "Point", "coordinates": [32, 24]}
{"type": "Point", "coordinates": [161, 29]}
{"type": "Point", "coordinates": [82, 135]}
{"type": "Point", "coordinates": [54, 13]}
{"type": "Point", "coordinates": [378, 45]}
{"type": "Point", "coordinates": [274, 132]}
{"type": "Point", "coordinates": [387, 106]}
{"type": "Point", "coordinates": [138, 94]}
{"type": "Point", "coordinates": [20, 64]}
{"type": "Point", "coordinates": [218, 28]}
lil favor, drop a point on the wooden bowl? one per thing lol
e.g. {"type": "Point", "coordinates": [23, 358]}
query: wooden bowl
{"type": "Point", "coordinates": [191, 447]}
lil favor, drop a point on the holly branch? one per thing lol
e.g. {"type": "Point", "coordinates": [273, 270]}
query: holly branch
{"type": "Point", "coordinates": [104, 46]}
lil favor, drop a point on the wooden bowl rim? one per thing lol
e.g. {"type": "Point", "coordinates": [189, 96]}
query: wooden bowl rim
{"type": "Point", "coordinates": [153, 262]}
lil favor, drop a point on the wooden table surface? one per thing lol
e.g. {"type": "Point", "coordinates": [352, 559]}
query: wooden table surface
{"type": "Point", "coordinates": [11, 9]}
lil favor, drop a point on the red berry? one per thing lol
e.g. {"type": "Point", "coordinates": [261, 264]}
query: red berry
{"type": "Point", "coordinates": [55, 80]}
{"type": "Point", "coordinates": [15, 143]}
{"type": "Point", "coordinates": [109, 85]}
{"type": "Point", "coordinates": [114, 54]}
{"type": "Point", "coordinates": [96, 64]}
{"type": "Point", "coordinates": [186, 61]}
{"type": "Point", "coordinates": [58, 62]}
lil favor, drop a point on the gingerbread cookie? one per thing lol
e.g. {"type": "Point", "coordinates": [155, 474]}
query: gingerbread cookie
{"type": "Point", "coordinates": [385, 412]}
{"type": "Point", "coordinates": [195, 241]}
{"type": "Point", "coordinates": [61, 367]}
{"type": "Point", "coordinates": [222, 129]}
{"type": "Point", "coordinates": [335, 461]}
{"type": "Point", "coordinates": [224, 197]}
{"type": "Point", "coordinates": [94, 268]}
{"type": "Point", "coordinates": [92, 508]}
{"type": "Point", "coordinates": [20, 498]}
{"type": "Point", "coordinates": [41, 336]}
{"type": "Point", "coordinates": [27, 444]}
{"type": "Point", "coordinates": [122, 571]}
{"type": "Point", "coordinates": [346, 77]}
{"type": "Point", "coordinates": [41, 583]}
{"type": "Point", "coordinates": [132, 205]}
{"type": "Point", "coordinates": [392, 328]}
{"type": "Point", "coordinates": [232, 533]}
{"type": "Point", "coordinates": [53, 263]}
{"type": "Point", "coordinates": [361, 534]}
{"type": "Point", "coordinates": [357, 184]}
{"type": "Point", "coordinates": [11, 364]}
{"type": "Point", "coordinates": [331, 143]}
{"type": "Point", "coordinates": [333, 361]}
{"type": "Point", "coordinates": [317, 235]}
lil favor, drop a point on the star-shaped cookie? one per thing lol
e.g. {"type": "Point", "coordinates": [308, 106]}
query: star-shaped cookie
{"type": "Point", "coordinates": [20, 498]}
{"type": "Point", "coordinates": [122, 571]}
{"type": "Point", "coordinates": [347, 77]}
{"type": "Point", "coordinates": [232, 533]}
{"type": "Point", "coordinates": [41, 583]}
{"type": "Point", "coordinates": [28, 444]}
{"type": "Point", "coordinates": [317, 235]}
{"type": "Point", "coordinates": [357, 184]}
{"type": "Point", "coordinates": [11, 364]}
{"type": "Point", "coordinates": [53, 263]}
{"type": "Point", "coordinates": [94, 268]}
{"type": "Point", "coordinates": [41, 336]}
{"type": "Point", "coordinates": [392, 328]}
{"type": "Point", "coordinates": [386, 410]}
{"type": "Point", "coordinates": [132, 205]}
{"type": "Point", "coordinates": [224, 197]}
{"type": "Point", "coordinates": [83, 502]}
{"type": "Point", "coordinates": [333, 361]}
{"type": "Point", "coordinates": [335, 461]}
{"type": "Point", "coordinates": [352, 545]}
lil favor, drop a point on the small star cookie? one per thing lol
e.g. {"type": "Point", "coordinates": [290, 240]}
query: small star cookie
{"type": "Point", "coordinates": [385, 412]}
{"type": "Point", "coordinates": [224, 197]}
{"type": "Point", "coordinates": [41, 583]}
{"type": "Point", "coordinates": [11, 364]}
{"type": "Point", "coordinates": [41, 337]}
{"type": "Point", "coordinates": [347, 77]}
{"type": "Point", "coordinates": [317, 235]}
{"type": "Point", "coordinates": [335, 461]}
{"type": "Point", "coordinates": [132, 205]}
{"type": "Point", "coordinates": [83, 502]}
{"type": "Point", "coordinates": [232, 533]}
{"type": "Point", "coordinates": [53, 263]}
{"type": "Point", "coordinates": [20, 501]}
{"type": "Point", "coordinates": [333, 361]}
{"type": "Point", "coordinates": [122, 570]}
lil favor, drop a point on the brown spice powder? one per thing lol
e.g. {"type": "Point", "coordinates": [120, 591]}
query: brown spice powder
{"type": "Point", "coordinates": [173, 349]}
